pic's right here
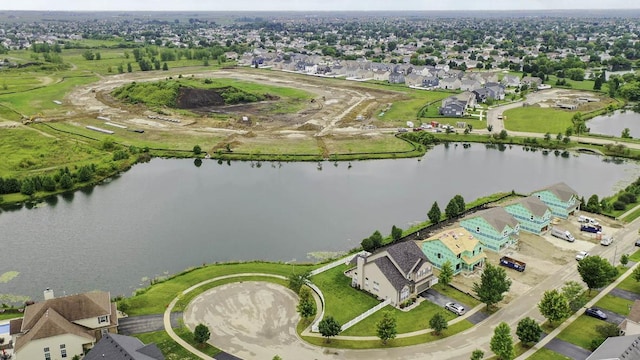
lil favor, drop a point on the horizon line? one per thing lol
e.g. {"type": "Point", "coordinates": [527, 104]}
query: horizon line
{"type": "Point", "coordinates": [323, 10]}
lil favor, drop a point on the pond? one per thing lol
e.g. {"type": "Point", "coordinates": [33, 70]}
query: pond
{"type": "Point", "coordinates": [613, 124]}
{"type": "Point", "coordinates": [164, 216]}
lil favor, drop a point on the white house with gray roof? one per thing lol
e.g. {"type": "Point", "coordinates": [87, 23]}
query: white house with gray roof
{"type": "Point", "coordinates": [397, 272]}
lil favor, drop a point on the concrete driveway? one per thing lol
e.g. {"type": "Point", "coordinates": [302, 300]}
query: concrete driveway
{"type": "Point", "coordinates": [253, 320]}
{"type": "Point", "coordinates": [145, 323]}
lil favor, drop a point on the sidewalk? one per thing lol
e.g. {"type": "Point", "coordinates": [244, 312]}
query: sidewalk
{"type": "Point", "coordinates": [578, 313]}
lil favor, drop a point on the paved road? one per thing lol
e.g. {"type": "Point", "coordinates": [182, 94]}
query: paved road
{"type": "Point", "coordinates": [146, 323]}
{"type": "Point", "coordinates": [613, 317]}
{"type": "Point", "coordinates": [568, 349]}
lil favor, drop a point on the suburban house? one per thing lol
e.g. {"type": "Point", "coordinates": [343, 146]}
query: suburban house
{"type": "Point", "coordinates": [430, 82]}
{"type": "Point", "coordinates": [457, 246]}
{"type": "Point", "coordinates": [531, 82]}
{"type": "Point", "coordinates": [457, 104]}
{"type": "Point", "coordinates": [631, 324]}
{"type": "Point", "coordinates": [396, 272]}
{"type": "Point", "coordinates": [482, 94]}
{"type": "Point", "coordinates": [533, 215]}
{"type": "Point", "coordinates": [495, 228]}
{"type": "Point", "coordinates": [120, 347]}
{"type": "Point", "coordinates": [496, 90]}
{"type": "Point", "coordinates": [450, 83]}
{"type": "Point", "coordinates": [562, 199]}
{"type": "Point", "coordinates": [470, 85]}
{"type": "Point", "coordinates": [510, 81]}
{"type": "Point", "coordinates": [618, 348]}
{"type": "Point", "coordinates": [63, 327]}
{"type": "Point", "coordinates": [396, 78]}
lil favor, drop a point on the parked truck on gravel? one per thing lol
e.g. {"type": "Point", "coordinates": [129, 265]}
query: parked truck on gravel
{"type": "Point", "coordinates": [562, 234]}
{"type": "Point", "coordinates": [513, 263]}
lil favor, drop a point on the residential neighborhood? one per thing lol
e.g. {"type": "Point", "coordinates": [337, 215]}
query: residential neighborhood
{"type": "Point", "coordinates": [197, 97]}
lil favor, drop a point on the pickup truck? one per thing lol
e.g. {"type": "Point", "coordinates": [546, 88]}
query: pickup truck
{"type": "Point", "coordinates": [606, 241]}
{"type": "Point", "coordinates": [590, 228]}
{"type": "Point", "coordinates": [513, 263]}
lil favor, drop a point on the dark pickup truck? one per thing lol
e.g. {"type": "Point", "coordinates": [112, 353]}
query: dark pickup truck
{"type": "Point", "coordinates": [512, 263]}
{"type": "Point", "coordinates": [590, 228]}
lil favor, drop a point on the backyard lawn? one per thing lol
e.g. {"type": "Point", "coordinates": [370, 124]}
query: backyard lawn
{"type": "Point", "coordinates": [342, 301]}
{"type": "Point", "coordinates": [581, 332]}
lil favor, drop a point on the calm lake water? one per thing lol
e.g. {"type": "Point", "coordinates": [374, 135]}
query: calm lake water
{"type": "Point", "coordinates": [167, 215]}
{"type": "Point", "coordinates": [613, 124]}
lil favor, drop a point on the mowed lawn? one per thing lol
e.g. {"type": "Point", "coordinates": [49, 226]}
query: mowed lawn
{"type": "Point", "coordinates": [538, 120]}
{"type": "Point", "coordinates": [370, 144]}
{"type": "Point", "coordinates": [342, 301]}
{"type": "Point", "coordinates": [407, 321]}
{"type": "Point", "coordinates": [582, 331]}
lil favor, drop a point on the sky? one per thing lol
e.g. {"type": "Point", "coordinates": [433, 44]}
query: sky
{"type": "Point", "coordinates": [310, 5]}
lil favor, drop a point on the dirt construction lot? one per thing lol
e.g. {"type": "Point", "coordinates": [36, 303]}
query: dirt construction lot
{"type": "Point", "coordinates": [544, 255]}
{"type": "Point", "coordinates": [332, 110]}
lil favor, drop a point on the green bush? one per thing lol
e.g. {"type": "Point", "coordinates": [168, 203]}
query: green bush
{"type": "Point", "coordinates": [619, 205]}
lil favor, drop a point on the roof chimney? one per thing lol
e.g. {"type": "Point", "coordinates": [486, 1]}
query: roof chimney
{"type": "Point", "coordinates": [48, 294]}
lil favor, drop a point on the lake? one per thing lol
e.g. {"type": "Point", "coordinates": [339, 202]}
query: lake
{"type": "Point", "coordinates": [164, 216]}
{"type": "Point", "coordinates": [613, 124]}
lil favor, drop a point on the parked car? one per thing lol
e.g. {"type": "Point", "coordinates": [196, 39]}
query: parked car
{"type": "Point", "coordinates": [596, 313]}
{"type": "Point", "coordinates": [590, 228]}
{"type": "Point", "coordinates": [606, 241]}
{"type": "Point", "coordinates": [456, 308]}
{"type": "Point", "coordinates": [581, 255]}
{"type": "Point", "coordinates": [638, 242]}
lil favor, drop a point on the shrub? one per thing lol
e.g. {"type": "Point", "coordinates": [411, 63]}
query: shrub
{"type": "Point", "coordinates": [619, 205]}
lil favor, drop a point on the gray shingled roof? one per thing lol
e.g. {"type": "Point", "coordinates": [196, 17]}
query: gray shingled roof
{"type": "Point", "coordinates": [406, 254]}
{"type": "Point", "coordinates": [618, 347]}
{"type": "Point", "coordinates": [499, 218]}
{"type": "Point", "coordinates": [535, 205]}
{"type": "Point", "coordinates": [391, 272]}
{"type": "Point", "coordinates": [120, 347]}
{"type": "Point", "coordinates": [562, 191]}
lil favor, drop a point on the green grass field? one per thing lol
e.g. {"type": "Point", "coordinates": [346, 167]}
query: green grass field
{"type": "Point", "coordinates": [629, 283]}
{"type": "Point", "coordinates": [342, 301]}
{"type": "Point", "coordinates": [538, 120]}
{"type": "Point", "coordinates": [368, 344]}
{"type": "Point", "coordinates": [581, 332]}
{"type": "Point", "coordinates": [408, 108]}
{"type": "Point", "coordinates": [615, 304]}
{"type": "Point", "coordinates": [406, 321]}
{"type": "Point", "coordinates": [578, 85]}
{"type": "Point", "coordinates": [32, 152]}
{"type": "Point", "coordinates": [546, 354]}
{"type": "Point", "coordinates": [154, 299]}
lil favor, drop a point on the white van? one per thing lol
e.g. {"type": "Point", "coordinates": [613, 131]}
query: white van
{"type": "Point", "coordinates": [562, 234]}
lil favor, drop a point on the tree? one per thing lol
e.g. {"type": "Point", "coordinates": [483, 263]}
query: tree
{"type": "Point", "coordinates": [27, 187]}
{"type": "Point", "coordinates": [201, 334]}
{"type": "Point", "coordinates": [197, 150]}
{"type": "Point", "coordinates": [489, 128]}
{"type": "Point", "coordinates": [66, 182]}
{"type": "Point", "coordinates": [460, 202]}
{"type": "Point", "coordinates": [593, 204]}
{"type": "Point", "coordinates": [165, 67]}
{"type": "Point", "coordinates": [502, 343]}
{"type": "Point", "coordinates": [434, 214]}
{"type": "Point", "coordinates": [493, 284]}
{"type": "Point", "coordinates": [277, 357]}
{"type": "Point", "coordinates": [446, 273]}
{"type": "Point", "coordinates": [554, 306]}
{"type": "Point", "coordinates": [452, 210]}
{"type": "Point", "coordinates": [626, 133]}
{"type": "Point", "coordinates": [528, 331]}
{"type": "Point", "coordinates": [297, 280]}
{"type": "Point", "coordinates": [503, 134]}
{"type": "Point", "coordinates": [636, 274]}
{"type": "Point", "coordinates": [438, 323]}
{"type": "Point", "coordinates": [559, 137]}
{"type": "Point", "coordinates": [396, 233]}
{"type": "Point", "coordinates": [596, 272]}
{"type": "Point", "coordinates": [329, 327]}
{"type": "Point", "coordinates": [367, 245]}
{"type": "Point", "coordinates": [307, 305]}
{"type": "Point", "coordinates": [376, 239]}
{"type": "Point", "coordinates": [386, 327]}
{"type": "Point", "coordinates": [574, 293]}
{"type": "Point", "coordinates": [477, 354]}
{"type": "Point", "coordinates": [129, 67]}
{"type": "Point", "coordinates": [624, 259]}
{"type": "Point", "coordinates": [547, 137]}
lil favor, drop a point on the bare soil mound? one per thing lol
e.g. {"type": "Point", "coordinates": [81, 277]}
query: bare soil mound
{"type": "Point", "coordinates": [190, 98]}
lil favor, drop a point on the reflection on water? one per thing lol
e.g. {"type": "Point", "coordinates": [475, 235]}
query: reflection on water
{"type": "Point", "coordinates": [614, 124]}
